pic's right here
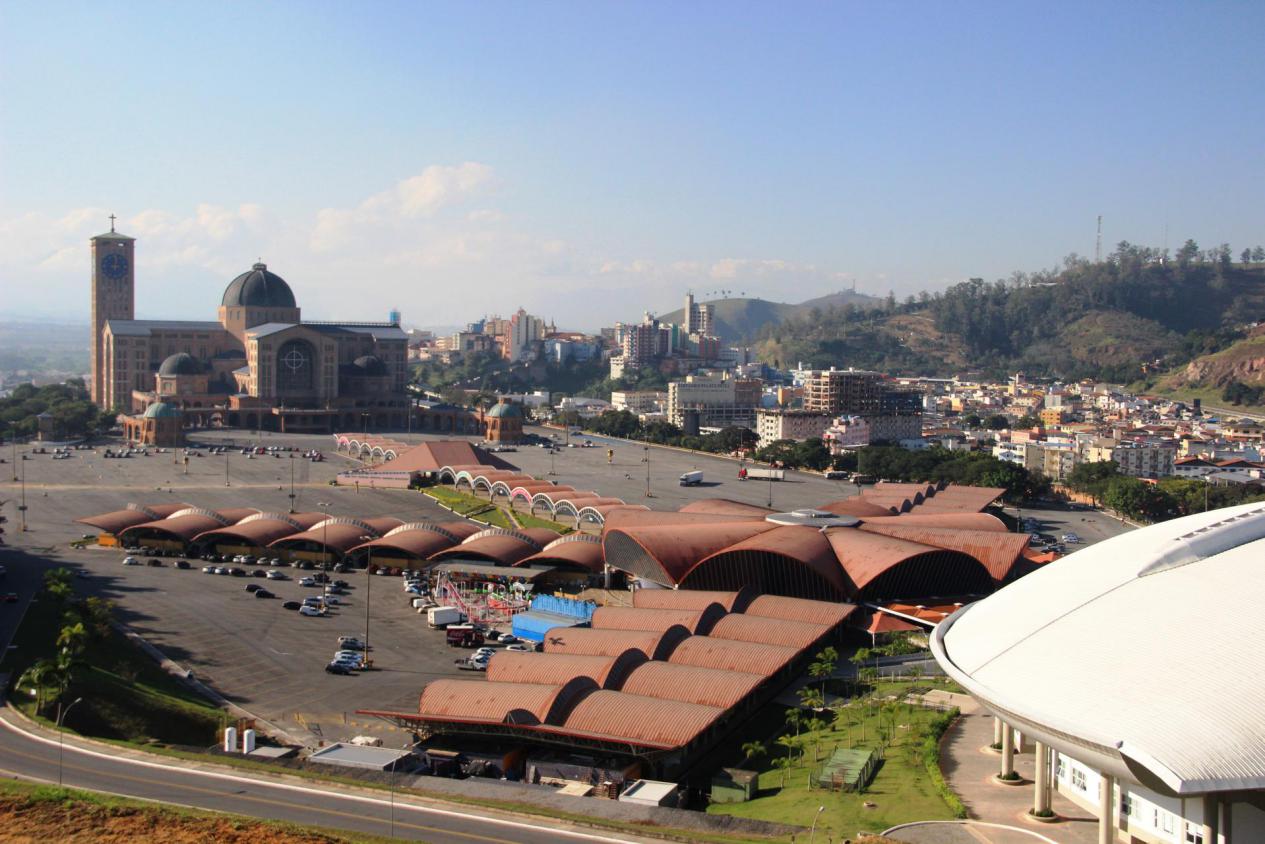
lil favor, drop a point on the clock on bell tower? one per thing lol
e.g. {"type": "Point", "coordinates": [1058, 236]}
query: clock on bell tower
{"type": "Point", "coordinates": [113, 294]}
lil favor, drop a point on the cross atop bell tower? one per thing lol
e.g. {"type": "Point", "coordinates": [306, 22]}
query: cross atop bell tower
{"type": "Point", "coordinates": [113, 297]}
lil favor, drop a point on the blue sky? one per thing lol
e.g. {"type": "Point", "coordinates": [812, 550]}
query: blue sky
{"type": "Point", "coordinates": [592, 160]}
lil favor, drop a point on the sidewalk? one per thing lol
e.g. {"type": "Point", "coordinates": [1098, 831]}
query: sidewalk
{"type": "Point", "coordinates": [969, 767]}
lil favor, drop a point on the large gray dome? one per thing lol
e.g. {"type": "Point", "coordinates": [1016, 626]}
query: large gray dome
{"type": "Point", "coordinates": [180, 363]}
{"type": "Point", "coordinates": [258, 288]}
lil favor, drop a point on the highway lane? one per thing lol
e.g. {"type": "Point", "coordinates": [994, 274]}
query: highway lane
{"type": "Point", "coordinates": [30, 755]}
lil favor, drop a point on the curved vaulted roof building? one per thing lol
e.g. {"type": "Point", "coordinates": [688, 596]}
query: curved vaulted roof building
{"type": "Point", "coordinates": [1136, 660]}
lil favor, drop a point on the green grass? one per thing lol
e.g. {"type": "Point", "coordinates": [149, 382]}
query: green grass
{"type": "Point", "coordinates": [126, 695]}
{"type": "Point", "coordinates": [470, 506]}
{"type": "Point", "coordinates": [902, 790]}
{"type": "Point", "coordinates": [535, 521]}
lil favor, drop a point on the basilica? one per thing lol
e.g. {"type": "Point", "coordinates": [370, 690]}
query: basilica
{"type": "Point", "coordinates": [256, 366]}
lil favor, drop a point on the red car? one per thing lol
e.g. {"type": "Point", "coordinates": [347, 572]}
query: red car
{"type": "Point", "coordinates": [11, 597]}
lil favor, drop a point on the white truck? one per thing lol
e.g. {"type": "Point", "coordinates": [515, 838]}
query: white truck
{"type": "Point", "coordinates": [693, 478]}
{"type": "Point", "coordinates": [437, 617]}
{"type": "Point", "coordinates": [755, 473]}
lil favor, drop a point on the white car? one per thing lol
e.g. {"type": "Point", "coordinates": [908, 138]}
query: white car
{"type": "Point", "coordinates": [131, 561]}
{"type": "Point", "coordinates": [275, 575]}
{"type": "Point", "coordinates": [348, 656]}
{"type": "Point", "coordinates": [1071, 537]}
{"type": "Point", "coordinates": [507, 639]}
{"type": "Point", "coordinates": [521, 648]}
{"type": "Point", "coordinates": [350, 643]}
{"type": "Point", "coordinates": [332, 600]}
{"type": "Point", "coordinates": [307, 609]}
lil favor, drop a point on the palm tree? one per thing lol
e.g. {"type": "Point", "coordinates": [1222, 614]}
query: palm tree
{"type": "Point", "coordinates": [789, 744]}
{"type": "Point", "coordinates": [71, 638]}
{"type": "Point", "coordinates": [811, 698]}
{"type": "Point", "coordinates": [793, 718]}
{"type": "Point", "coordinates": [784, 763]}
{"type": "Point", "coordinates": [821, 671]}
{"type": "Point", "coordinates": [37, 677]}
{"type": "Point", "coordinates": [752, 749]}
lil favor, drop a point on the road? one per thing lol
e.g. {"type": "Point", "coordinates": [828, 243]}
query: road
{"type": "Point", "coordinates": [34, 756]}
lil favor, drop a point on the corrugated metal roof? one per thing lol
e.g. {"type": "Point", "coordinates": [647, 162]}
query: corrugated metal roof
{"type": "Point", "coordinates": [665, 551]}
{"type": "Point", "coordinates": [997, 552]}
{"type": "Point", "coordinates": [726, 507]}
{"type": "Point", "coordinates": [690, 599]}
{"type": "Point", "coordinates": [800, 609]}
{"type": "Point", "coordinates": [583, 640]}
{"type": "Point", "coordinates": [731, 655]}
{"type": "Point", "coordinates": [646, 721]}
{"type": "Point", "coordinates": [559, 668]}
{"type": "Point", "coordinates": [533, 625]}
{"type": "Point", "coordinates": [633, 618]}
{"type": "Point", "coordinates": [1113, 646]}
{"type": "Point", "coordinates": [768, 631]}
{"type": "Point", "coordinates": [478, 701]}
{"type": "Point", "coordinates": [691, 684]}
{"type": "Point", "coordinates": [145, 327]}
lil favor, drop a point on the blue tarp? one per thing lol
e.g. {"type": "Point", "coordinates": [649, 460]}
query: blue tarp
{"type": "Point", "coordinates": [531, 626]}
{"type": "Point", "coordinates": [583, 610]}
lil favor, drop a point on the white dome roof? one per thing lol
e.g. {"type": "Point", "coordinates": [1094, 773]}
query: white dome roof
{"type": "Point", "coordinates": [1139, 654]}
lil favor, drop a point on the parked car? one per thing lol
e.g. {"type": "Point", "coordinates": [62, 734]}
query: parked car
{"type": "Point", "coordinates": [309, 610]}
{"type": "Point", "coordinates": [291, 605]}
{"type": "Point", "coordinates": [182, 564]}
{"type": "Point", "coordinates": [350, 643]}
{"type": "Point", "coordinates": [264, 593]}
{"type": "Point", "coordinates": [10, 597]}
{"type": "Point", "coordinates": [507, 639]}
{"type": "Point", "coordinates": [208, 569]}
{"type": "Point", "coordinates": [276, 575]}
{"type": "Point", "coordinates": [307, 581]}
{"type": "Point", "coordinates": [253, 587]}
{"type": "Point", "coordinates": [259, 573]}
{"type": "Point", "coordinates": [339, 668]}
{"type": "Point", "coordinates": [235, 572]}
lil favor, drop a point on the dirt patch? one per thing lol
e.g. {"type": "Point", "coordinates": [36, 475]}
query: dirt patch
{"type": "Point", "coordinates": [24, 819]}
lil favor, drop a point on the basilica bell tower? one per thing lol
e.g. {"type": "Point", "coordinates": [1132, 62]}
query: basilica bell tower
{"type": "Point", "coordinates": [113, 296]}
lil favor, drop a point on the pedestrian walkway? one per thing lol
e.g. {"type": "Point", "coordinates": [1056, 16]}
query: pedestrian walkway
{"type": "Point", "coordinates": [969, 767]}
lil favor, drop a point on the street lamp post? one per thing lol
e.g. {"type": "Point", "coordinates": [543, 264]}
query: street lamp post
{"type": "Point", "coordinates": [324, 505]}
{"type": "Point", "coordinates": [813, 832]}
{"type": "Point", "coordinates": [13, 441]}
{"type": "Point", "coordinates": [292, 482]}
{"type": "Point", "coordinates": [226, 481]}
{"type": "Point", "coordinates": [368, 589]}
{"type": "Point", "coordinates": [22, 506]}
{"type": "Point", "coordinates": [646, 452]}
{"type": "Point", "coordinates": [61, 736]}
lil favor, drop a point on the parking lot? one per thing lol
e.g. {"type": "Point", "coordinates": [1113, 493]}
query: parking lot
{"type": "Point", "coordinates": [266, 659]}
{"type": "Point", "coordinates": [270, 660]}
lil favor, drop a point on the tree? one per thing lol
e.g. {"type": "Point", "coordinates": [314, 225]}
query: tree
{"type": "Point", "coordinates": [1245, 257]}
{"type": "Point", "coordinates": [71, 638]}
{"type": "Point", "coordinates": [1258, 254]}
{"type": "Point", "coordinates": [794, 719]}
{"type": "Point", "coordinates": [37, 678]}
{"type": "Point", "coordinates": [1187, 254]}
{"type": "Point", "coordinates": [57, 584]}
{"type": "Point", "coordinates": [811, 698]}
{"type": "Point", "coordinates": [783, 763]}
{"type": "Point", "coordinates": [752, 750]}
{"type": "Point", "coordinates": [997, 422]}
{"type": "Point", "coordinates": [972, 420]}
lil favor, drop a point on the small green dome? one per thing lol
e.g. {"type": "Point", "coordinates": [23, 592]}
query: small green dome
{"type": "Point", "coordinates": [161, 410]}
{"type": "Point", "coordinates": [505, 410]}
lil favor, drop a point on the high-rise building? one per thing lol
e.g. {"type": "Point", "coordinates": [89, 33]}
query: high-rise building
{"type": "Point", "coordinates": [113, 297]}
{"type": "Point", "coordinates": [699, 317]}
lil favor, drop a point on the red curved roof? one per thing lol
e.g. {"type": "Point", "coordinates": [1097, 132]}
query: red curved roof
{"type": "Point", "coordinates": [504, 547]}
{"type": "Point", "coordinates": [339, 537]}
{"type": "Point", "coordinates": [259, 532]}
{"type": "Point", "coordinates": [382, 524]}
{"type": "Point", "coordinates": [182, 528]}
{"type": "Point", "coordinates": [997, 552]}
{"type": "Point", "coordinates": [800, 609]}
{"type": "Point", "coordinates": [726, 507]}
{"type": "Point", "coordinates": [235, 514]}
{"type": "Point", "coordinates": [558, 494]}
{"type": "Point", "coordinates": [856, 506]}
{"type": "Point", "coordinates": [116, 521]}
{"type": "Point", "coordinates": [768, 631]}
{"type": "Point", "coordinates": [633, 618]}
{"type": "Point", "coordinates": [420, 543]}
{"type": "Point", "coordinates": [658, 518]}
{"type": "Point", "coordinates": [583, 640]}
{"type": "Point", "coordinates": [560, 668]}
{"type": "Point", "coordinates": [583, 551]}
{"type": "Point", "coordinates": [962, 521]}
{"type": "Point", "coordinates": [644, 721]}
{"type": "Point", "coordinates": [732, 655]}
{"type": "Point", "coordinates": [663, 553]}
{"type": "Point", "coordinates": [690, 599]}
{"type": "Point", "coordinates": [961, 499]}
{"type": "Point", "coordinates": [690, 684]}
{"type": "Point", "coordinates": [768, 562]}
{"type": "Point", "coordinates": [867, 556]}
{"type": "Point", "coordinates": [477, 701]}
{"type": "Point", "coordinates": [530, 489]}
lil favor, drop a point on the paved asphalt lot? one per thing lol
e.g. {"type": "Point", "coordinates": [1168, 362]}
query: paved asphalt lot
{"type": "Point", "coordinates": [269, 660]}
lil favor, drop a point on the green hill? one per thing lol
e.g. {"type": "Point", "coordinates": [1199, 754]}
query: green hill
{"type": "Point", "coordinates": [741, 320]}
{"type": "Point", "coordinates": [1114, 320]}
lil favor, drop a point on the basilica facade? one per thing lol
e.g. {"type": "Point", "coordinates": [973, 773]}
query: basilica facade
{"type": "Point", "coordinates": [257, 365]}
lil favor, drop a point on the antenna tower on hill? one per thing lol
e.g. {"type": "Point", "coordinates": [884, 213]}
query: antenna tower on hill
{"type": "Point", "coordinates": [1098, 245]}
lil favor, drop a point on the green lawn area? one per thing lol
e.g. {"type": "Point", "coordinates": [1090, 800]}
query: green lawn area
{"type": "Point", "coordinates": [901, 790]}
{"type": "Point", "coordinates": [470, 506]}
{"type": "Point", "coordinates": [126, 695]}
{"type": "Point", "coordinates": [535, 521]}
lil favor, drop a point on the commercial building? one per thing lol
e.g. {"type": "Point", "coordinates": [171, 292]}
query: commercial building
{"type": "Point", "coordinates": [773, 424]}
{"type": "Point", "coordinates": [718, 400]}
{"type": "Point", "coordinates": [1104, 660]}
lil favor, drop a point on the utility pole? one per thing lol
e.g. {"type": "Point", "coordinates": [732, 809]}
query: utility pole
{"type": "Point", "coordinates": [368, 587]}
{"type": "Point", "coordinates": [292, 482]}
{"type": "Point", "coordinates": [1098, 246]}
{"type": "Point", "coordinates": [226, 481]}
{"type": "Point", "coordinates": [646, 450]}
{"type": "Point", "coordinates": [22, 505]}
{"type": "Point", "coordinates": [324, 505]}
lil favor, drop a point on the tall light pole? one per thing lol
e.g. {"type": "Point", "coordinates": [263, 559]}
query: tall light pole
{"type": "Point", "coordinates": [368, 589]}
{"type": "Point", "coordinates": [324, 505]}
{"type": "Point", "coordinates": [292, 482]}
{"type": "Point", "coordinates": [813, 833]}
{"type": "Point", "coordinates": [61, 735]}
{"type": "Point", "coordinates": [645, 450]}
{"type": "Point", "coordinates": [226, 481]}
{"type": "Point", "coordinates": [22, 506]}
{"type": "Point", "coordinates": [13, 441]}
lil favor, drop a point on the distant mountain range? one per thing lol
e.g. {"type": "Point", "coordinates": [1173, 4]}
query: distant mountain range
{"type": "Point", "coordinates": [740, 320]}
